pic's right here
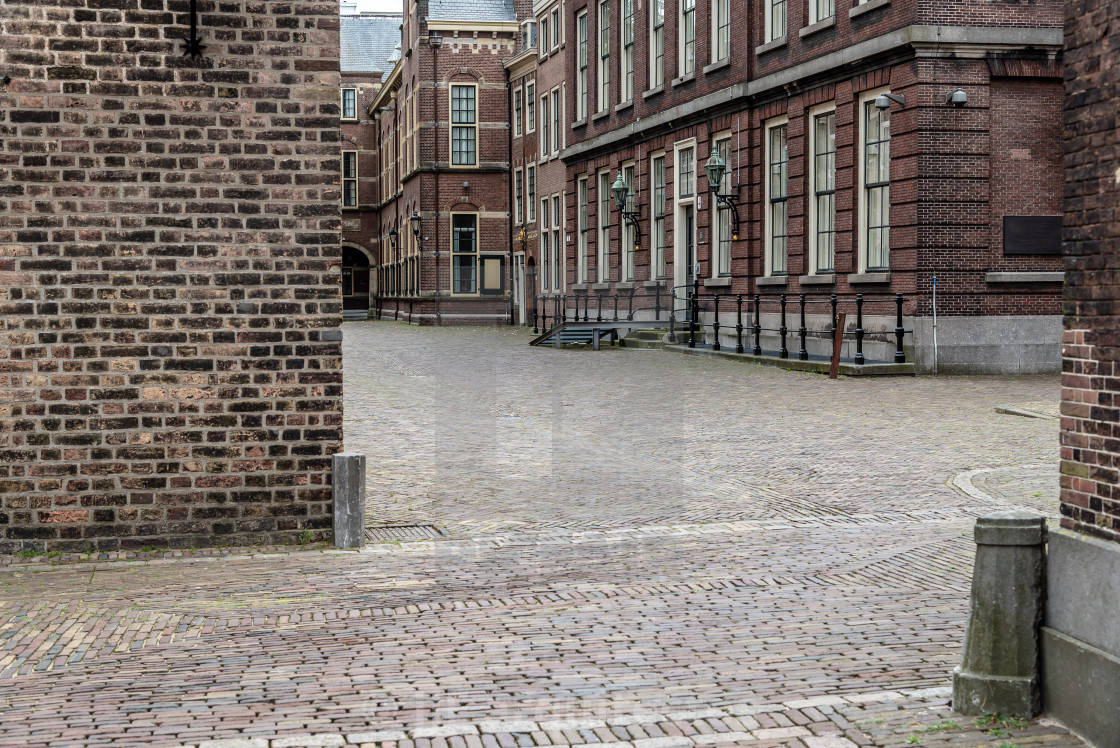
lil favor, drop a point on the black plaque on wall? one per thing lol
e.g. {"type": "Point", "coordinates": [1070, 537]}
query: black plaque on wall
{"type": "Point", "coordinates": [1032, 235]}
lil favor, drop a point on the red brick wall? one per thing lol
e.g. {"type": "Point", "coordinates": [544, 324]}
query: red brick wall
{"type": "Point", "coordinates": [1091, 343]}
{"type": "Point", "coordinates": [170, 368]}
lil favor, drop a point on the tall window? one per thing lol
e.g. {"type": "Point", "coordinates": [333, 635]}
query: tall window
{"type": "Point", "coordinates": [777, 183]}
{"type": "Point", "coordinates": [543, 145]}
{"type": "Point", "coordinates": [604, 55]}
{"type": "Point", "coordinates": [517, 94]}
{"type": "Point", "coordinates": [531, 107]}
{"type": "Point", "coordinates": [776, 19]}
{"type": "Point", "coordinates": [546, 247]}
{"type": "Point", "coordinates": [557, 246]}
{"type": "Point", "coordinates": [528, 34]}
{"type": "Point", "coordinates": [821, 9]}
{"type": "Point", "coordinates": [349, 103]}
{"type": "Point", "coordinates": [518, 196]}
{"type": "Point", "coordinates": [581, 75]}
{"type": "Point", "coordinates": [350, 179]}
{"type": "Point", "coordinates": [876, 185]}
{"type": "Point", "coordinates": [686, 172]}
{"type": "Point", "coordinates": [723, 214]}
{"type": "Point", "coordinates": [822, 215]}
{"type": "Point", "coordinates": [464, 126]}
{"type": "Point", "coordinates": [557, 128]}
{"type": "Point", "coordinates": [604, 226]}
{"type": "Point", "coordinates": [721, 22]}
{"type": "Point", "coordinates": [555, 28]}
{"type": "Point", "coordinates": [688, 37]}
{"type": "Point", "coordinates": [628, 238]}
{"type": "Point", "coordinates": [581, 255]}
{"type": "Point", "coordinates": [544, 38]}
{"type": "Point", "coordinates": [627, 50]}
{"type": "Point", "coordinates": [464, 253]}
{"type": "Point", "coordinates": [656, 43]}
{"type": "Point", "coordinates": [531, 188]}
{"type": "Point", "coordinates": [658, 169]}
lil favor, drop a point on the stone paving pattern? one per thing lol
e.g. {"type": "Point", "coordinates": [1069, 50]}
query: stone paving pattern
{"type": "Point", "coordinates": [643, 550]}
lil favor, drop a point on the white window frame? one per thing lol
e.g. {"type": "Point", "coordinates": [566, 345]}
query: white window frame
{"type": "Point", "coordinates": [603, 100]}
{"type": "Point", "coordinates": [721, 29]}
{"type": "Point", "coordinates": [626, 63]}
{"type": "Point", "coordinates": [518, 111]}
{"type": "Point", "coordinates": [556, 28]}
{"type": "Point", "coordinates": [543, 134]}
{"type": "Point", "coordinates": [720, 215]}
{"type": "Point", "coordinates": [684, 197]}
{"type": "Point", "coordinates": [866, 100]}
{"type": "Point", "coordinates": [545, 245]}
{"type": "Point", "coordinates": [542, 48]}
{"type": "Point", "coordinates": [518, 196]}
{"type": "Point", "coordinates": [342, 103]}
{"type": "Point", "coordinates": [776, 15]}
{"type": "Point", "coordinates": [582, 228]}
{"type": "Point", "coordinates": [454, 254]}
{"type": "Point", "coordinates": [768, 200]}
{"type": "Point", "coordinates": [558, 265]}
{"type": "Point", "coordinates": [473, 126]}
{"type": "Point", "coordinates": [686, 49]}
{"type": "Point", "coordinates": [627, 253]}
{"type": "Point", "coordinates": [581, 65]}
{"type": "Point", "coordinates": [351, 181]}
{"type": "Point", "coordinates": [531, 193]}
{"type": "Point", "coordinates": [813, 243]}
{"type": "Point", "coordinates": [531, 106]}
{"type": "Point", "coordinates": [656, 43]}
{"type": "Point", "coordinates": [658, 233]}
{"type": "Point", "coordinates": [819, 10]}
{"type": "Point", "coordinates": [557, 105]}
{"type": "Point", "coordinates": [603, 243]}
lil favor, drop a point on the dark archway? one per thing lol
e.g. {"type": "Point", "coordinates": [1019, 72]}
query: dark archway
{"type": "Point", "coordinates": [355, 280]}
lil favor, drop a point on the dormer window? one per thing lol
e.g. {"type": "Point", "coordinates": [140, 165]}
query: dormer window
{"type": "Point", "coordinates": [528, 34]}
{"type": "Point", "coordinates": [349, 103]}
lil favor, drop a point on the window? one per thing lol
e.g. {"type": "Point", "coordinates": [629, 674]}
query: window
{"type": "Point", "coordinates": [531, 187]}
{"type": "Point", "coordinates": [557, 246]}
{"type": "Point", "coordinates": [822, 203]}
{"type": "Point", "coordinates": [581, 65]}
{"type": "Point", "coordinates": [876, 203]}
{"type": "Point", "coordinates": [544, 38]}
{"type": "Point", "coordinates": [349, 103]}
{"type": "Point", "coordinates": [555, 28]}
{"type": "Point", "coordinates": [658, 169]}
{"type": "Point", "coordinates": [464, 127]}
{"type": "Point", "coordinates": [628, 239]}
{"type": "Point", "coordinates": [531, 107]}
{"type": "Point", "coordinates": [528, 35]}
{"type": "Point", "coordinates": [776, 19]}
{"type": "Point", "coordinates": [656, 43]}
{"type": "Point", "coordinates": [776, 187]}
{"type": "Point", "coordinates": [557, 128]}
{"type": "Point", "coordinates": [464, 253]}
{"type": "Point", "coordinates": [686, 172]}
{"type": "Point", "coordinates": [821, 9]}
{"type": "Point", "coordinates": [581, 254]}
{"type": "Point", "coordinates": [627, 77]}
{"type": "Point", "coordinates": [350, 179]}
{"type": "Point", "coordinates": [546, 248]}
{"type": "Point", "coordinates": [604, 55]}
{"type": "Point", "coordinates": [723, 214]}
{"type": "Point", "coordinates": [721, 22]}
{"type": "Point", "coordinates": [688, 37]}
{"type": "Point", "coordinates": [543, 144]}
{"type": "Point", "coordinates": [517, 94]}
{"type": "Point", "coordinates": [604, 226]}
{"type": "Point", "coordinates": [518, 196]}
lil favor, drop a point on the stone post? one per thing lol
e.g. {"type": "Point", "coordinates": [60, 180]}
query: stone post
{"type": "Point", "coordinates": [348, 479]}
{"type": "Point", "coordinates": [999, 671]}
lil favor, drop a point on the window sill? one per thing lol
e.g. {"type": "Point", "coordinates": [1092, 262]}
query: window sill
{"type": "Point", "coordinates": [770, 46]}
{"type": "Point", "coordinates": [624, 105]}
{"type": "Point", "coordinates": [579, 286]}
{"type": "Point", "coordinates": [814, 28]}
{"type": "Point", "coordinates": [348, 120]}
{"type": "Point", "coordinates": [817, 279]}
{"type": "Point", "coordinates": [1021, 277]}
{"type": "Point", "coordinates": [717, 283]}
{"type": "Point", "coordinates": [857, 278]}
{"type": "Point", "coordinates": [579, 123]}
{"type": "Point", "coordinates": [599, 115]}
{"type": "Point", "coordinates": [687, 78]}
{"type": "Point", "coordinates": [660, 283]}
{"type": "Point", "coordinates": [867, 7]}
{"type": "Point", "coordinates": [654, 91]}
{"type": "Point", "coordinates": [771, 280]}
{"type": "Point", "coordinates": [625, 286]}
{"type": "Point", "coordinates": [601, 286]}
{"type": "Point", "coordinates": [717, 65]}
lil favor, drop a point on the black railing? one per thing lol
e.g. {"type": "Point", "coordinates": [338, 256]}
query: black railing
{"type": "Point", "coordinates": [550, 310]}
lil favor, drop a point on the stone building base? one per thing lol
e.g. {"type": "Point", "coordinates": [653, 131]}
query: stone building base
{"type": "Point", "coordinates": [989, 345]}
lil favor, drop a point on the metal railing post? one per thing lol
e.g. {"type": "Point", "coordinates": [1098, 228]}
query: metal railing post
{"type": "Point", "coordinates": [899, 354]}
{"type": "Point", "coordinates": [615, 307]}
{"type": "Point", "coordinates": [783, 352]}
{"type": "Point", "coordinates": [859, 329]}
{"type": "Point", "coordinates": [598, 306]}
{"type": "Point", "coordinates": [630, 302]}
{"type": "Point", "coordinates": [739, 323]}
{"type": "Point", "coordinates": [802, 354]}
{"type": "Point", "coordinates": [694, 304]}
{"type": "Point", "coordinates": [673, 314]}
{"type": "Point", "coordinates": [715, 324]}
{"type": "Point", "coordinates": [564, 308]}
{"type": "Point", "coordinates": [833, 300]}
{"type": "Point", "coordinates": [657, 299]}
{"type": "Point", "coordinates": [757, 350]}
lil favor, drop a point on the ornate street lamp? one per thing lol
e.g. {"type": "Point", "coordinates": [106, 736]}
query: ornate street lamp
{"type": "Point", "coordinates": [621, 191]}
{"type": "Point", "coordinates": [716, 167]}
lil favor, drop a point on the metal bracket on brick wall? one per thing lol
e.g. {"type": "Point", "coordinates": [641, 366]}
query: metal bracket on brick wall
{"type": "Point", "coordinates": [348, 488]}
{"type": "Point", "coordinates": [192, 45]}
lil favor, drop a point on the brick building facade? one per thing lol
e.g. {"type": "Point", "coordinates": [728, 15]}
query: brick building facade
{"type": "Point", "coordinates": [170, 364]}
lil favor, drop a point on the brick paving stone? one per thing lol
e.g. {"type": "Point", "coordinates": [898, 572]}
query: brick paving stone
{"type": "Point", "coordinates": [638, 548]}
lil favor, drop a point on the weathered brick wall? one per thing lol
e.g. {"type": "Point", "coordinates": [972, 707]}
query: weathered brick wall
{"type": "Point", "coordinates": [170, 364]}
{"type": "Point", "coordinates": [1091, 342]}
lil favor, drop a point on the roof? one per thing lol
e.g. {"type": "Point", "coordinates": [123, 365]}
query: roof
{"type": "Point", "coordinates": [471, 10]}
{"type": "Point", "coordinates": [370, 42]}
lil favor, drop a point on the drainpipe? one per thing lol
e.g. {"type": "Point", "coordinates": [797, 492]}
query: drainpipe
{"type": "Point", "coordinates": [509, 182]}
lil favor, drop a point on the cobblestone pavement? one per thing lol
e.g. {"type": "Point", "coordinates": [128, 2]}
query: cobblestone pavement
{"type": "Point", "coordinates": [641, 550]}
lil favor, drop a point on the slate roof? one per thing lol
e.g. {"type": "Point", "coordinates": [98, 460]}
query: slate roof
{"type": "Point", "coordinates": [370, 42]}
{"type": "Point", "coordinates": [471, 10]}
